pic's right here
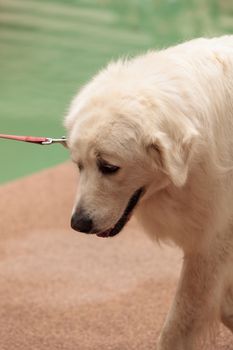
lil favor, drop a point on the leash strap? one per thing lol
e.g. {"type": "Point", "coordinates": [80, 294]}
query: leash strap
{"type": "Point", "coordinates": [36, 140]}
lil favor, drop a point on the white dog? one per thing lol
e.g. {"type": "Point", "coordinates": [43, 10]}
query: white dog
{"type": "Point", "coordinates": [155, 134]}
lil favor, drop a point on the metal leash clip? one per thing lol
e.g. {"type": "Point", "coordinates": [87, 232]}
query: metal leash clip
{"type": "Point", "coordinates": [49, 141]}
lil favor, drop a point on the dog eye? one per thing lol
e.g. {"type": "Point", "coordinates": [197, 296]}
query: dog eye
{"type": "Point", "coordinates": [80, 166]}
{"type": "Point", "coordinates": [106, 168]}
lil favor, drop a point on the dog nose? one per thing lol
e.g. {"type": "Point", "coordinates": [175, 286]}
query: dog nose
{"type": "Point", "coordinates": [81, 222]}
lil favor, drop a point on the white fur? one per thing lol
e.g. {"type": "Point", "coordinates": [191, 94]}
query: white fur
{"type": "Point", "coordinates": [166, 118]}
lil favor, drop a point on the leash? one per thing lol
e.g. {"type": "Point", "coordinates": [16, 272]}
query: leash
{"type": "Point", "coordinates": [37, 140]}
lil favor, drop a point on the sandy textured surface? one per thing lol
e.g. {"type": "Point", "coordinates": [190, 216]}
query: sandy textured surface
{"type": "Point", "coordinates": [63, 290]}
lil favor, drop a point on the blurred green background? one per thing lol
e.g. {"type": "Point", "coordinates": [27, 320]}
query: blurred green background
{"type": "Point", "coordinates": [49, 48]}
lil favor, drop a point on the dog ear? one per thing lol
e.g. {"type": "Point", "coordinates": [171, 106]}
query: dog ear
{"type": "Point", "coordinates": [173, 155]}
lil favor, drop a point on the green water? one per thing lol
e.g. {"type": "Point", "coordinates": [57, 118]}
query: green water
{"type": "Point", "coordinates": [48, 49]}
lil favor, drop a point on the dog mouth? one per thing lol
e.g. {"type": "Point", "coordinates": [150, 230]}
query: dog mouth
{"type": "Point", "coordinates": [125, 216]}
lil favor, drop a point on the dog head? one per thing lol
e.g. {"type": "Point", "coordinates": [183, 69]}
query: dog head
{"type": "Point", "coordinates": [126, 147]}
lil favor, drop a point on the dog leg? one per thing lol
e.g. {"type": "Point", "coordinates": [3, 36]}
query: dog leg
{"type": "Point", "coordinates": [196, 303]}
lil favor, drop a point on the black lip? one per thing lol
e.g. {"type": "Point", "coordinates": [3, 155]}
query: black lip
{"type": "Point", "coordinates": [125, 217]}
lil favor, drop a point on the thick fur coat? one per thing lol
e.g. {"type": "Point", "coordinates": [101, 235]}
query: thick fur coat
{"type": "Point", "coordinates": [164, 120]}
